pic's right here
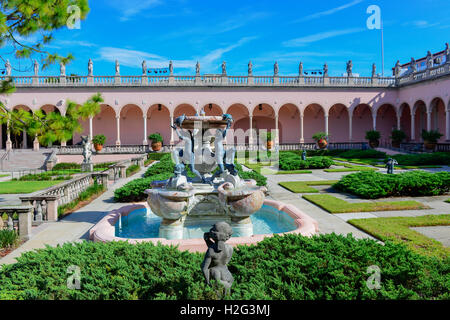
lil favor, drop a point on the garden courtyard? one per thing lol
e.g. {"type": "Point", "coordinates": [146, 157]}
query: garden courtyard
{"type": "Point", "coordinates": [406, 229]}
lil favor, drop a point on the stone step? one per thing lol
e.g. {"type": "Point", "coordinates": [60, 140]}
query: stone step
{"type": "Point", "coordinates": [23, 159]}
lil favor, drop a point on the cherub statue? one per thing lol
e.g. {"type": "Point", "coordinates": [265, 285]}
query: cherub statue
{"type": "Point", "coordinates": [390, 165]}
{"type": "Point", "coordinates": [218, 255]}
{"type": "Point", "coordinates": [87, 152]}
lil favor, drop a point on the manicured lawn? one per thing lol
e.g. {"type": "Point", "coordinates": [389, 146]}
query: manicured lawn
{"type": "Point", "coordinates": [263, 170]}
{"type": "Point", "coordinates": [14, 187]}
{"type": "Point", "coordinates": [335, 205]}
{"type": "Point", "coordinates": [365, 161]}
{"type": "Point", "coordinates": [397, 230]}
{"type": "Point", "coordinates": [304, 186]}
{"type": "Point", "coordinates": [4, 175]}
{"type": "Point", "coordinates": [351, 169]}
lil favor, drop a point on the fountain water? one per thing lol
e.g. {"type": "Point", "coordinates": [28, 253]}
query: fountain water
{"type": "Point", "coordinates": [208, 198]}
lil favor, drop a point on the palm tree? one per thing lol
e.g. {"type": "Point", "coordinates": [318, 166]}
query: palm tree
{"type": "Point", "coordinates": [90, 109]}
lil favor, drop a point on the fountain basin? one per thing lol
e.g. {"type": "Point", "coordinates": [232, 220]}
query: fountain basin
{"type": "Point", "coordinates": [105, 230]}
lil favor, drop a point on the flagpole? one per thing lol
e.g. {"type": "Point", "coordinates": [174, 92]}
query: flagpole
{"type": "Point", "coordinates": [382, 50]}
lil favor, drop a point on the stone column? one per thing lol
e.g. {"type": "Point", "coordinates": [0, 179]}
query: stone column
{"type": "Point", "coordinates": [52, 210]}
{"type": "Point", "coordinates": [35, 144]}
{"type": "Point", "coordinates": [374, 120]}
{"type": "Point", "coordinates": [250, 137]}
{"type": "Point", "coordinates": [24, 139]}
{"type": "Point", "coordinates": [277, 135]}
{"type": "Point", "coordinates": [302, 138]}
{"type": "Point", "coordinates": [413, 125]}
{"type": "Point", "coordinates": [398, 121]}
{"type": "Point", "coordinates": [428, 120]}
{"type": "Point", "coordinates": [25, 223]}
{"type": "Point", "coordinates": [350, 126]}
{"type": "Point", "coordinates": [447, 124]}
{"type": "Point", "coordinates": [118, 130]}
{"type": "Point", "coordinates": [8, 138]}
{"type": "Point", "coordinates": [145, 142]}
{"type": "Point", "coordinates": [172, 142]}
{"type": "Point", "coordinates": [326, 124]}
{"type": "Point", "coordinates": [90, 129]}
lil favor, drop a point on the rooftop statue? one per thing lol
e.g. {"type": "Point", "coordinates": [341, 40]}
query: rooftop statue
{"type": "Point", "coordinates": [325, 70]}
{"type": "Point", "coordinates": [218, 255]}
{"type": "Point", "coordinates": [275, 69]}
{"type": "Point", "coordinates": [397, 69]}
{"type": "Point", "coordinates": [429, 60]}
{"type": "Point", "coordinates": [117, 68]}
{"type": "Point", "coordinates": [197, 68]}
{"type": "Point", "coordinates": [374, 70]}
{"type": "Point", "coordinates": [250, 68]}
{"type": "Point", "coordinates": [300, 69]}
{"type": "Point", "coordinates": [350, 68]}
{"type": "Point", "coordinates": [36, 67]}
{"type": "Point", "coordinates": [447, 53]}
{"type": "Point", "coordinates": [171, 67]}
{"type": "Point", "coordinates": [144, 67]}
{"type": "Point", "coordinates": [62, 69]}
{"type": "Point", "coordinates": [413, 65]}
{"type": "Point", "coordinates": [224, 68]}
{"type": "Point", "coordinates": [90, 67]}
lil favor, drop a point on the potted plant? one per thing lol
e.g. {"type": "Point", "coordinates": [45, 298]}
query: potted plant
{"type": "Point", "coordinates": [397, 137]}
{"type": "Point", "coordinates": [321, 139]}
{"type": "Point", "coordinates": [374, 138]}
{"type": "Point", "coordinates": [269, 137]}
{"type": "Point", "coordinates": [157, 141]}
{"type": "Point", "coordinates": [98, 141]}
{"type": "Point", "coordinates": [430, 138]}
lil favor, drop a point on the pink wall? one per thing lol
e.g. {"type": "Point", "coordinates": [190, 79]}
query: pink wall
{"type": "Point", "coordinates": [386, 122]}
{"type": "Point", "coordinates": [131, 125]}
{"type": "Point", "coordinates": [314, 121]}
{"type": "Point", "coordinates": [338, 127]}
{"type": "Point", "coordinates": [362, 122]}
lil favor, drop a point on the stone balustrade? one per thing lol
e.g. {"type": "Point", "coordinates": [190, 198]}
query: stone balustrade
{"type": "Point", "coordinates": [25, 214]}
{"type": "Point", "coordinates": [427, 74]}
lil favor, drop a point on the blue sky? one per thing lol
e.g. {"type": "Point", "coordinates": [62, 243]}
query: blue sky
{"type": "Point", "coordinates": [263, 31]}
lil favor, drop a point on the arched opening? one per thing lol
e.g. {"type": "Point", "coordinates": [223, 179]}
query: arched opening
{"type": "Point", "coordinates": [105, 123]}
{"type": "Point", "coordinates": [185, 109]}
{"type": "Point", "coordinates": [131, 125]}
{"type": "Point", "coordinates": [158, 121]}
{"type": "Point", "coordinates": [18, 141]}
{"type": "Point", "coordinates": [338, 123]}
{"type": "Point", "coordinates": [289, 116]}
{"type": "Point", "coordinates": [241, 123]}
{"type": "Point", "coordinates": [212, 109]}
{"type": "Point", "coordinates": [362, 121]}
{"type": "Point", "coordinates": [420, 119]}
{"type": "Point", "coordinates": [438, 117]}
{"type": "Point", "coordinates": [264, 119]}
{"type": "Point", "coordinates": [313, 121]}
{"type": "Point", "coordinates": [405, 120]}
{"type": "Point", "coordinates": [46, 109]}
{"type": "Point", "coordinates": [386, 122]}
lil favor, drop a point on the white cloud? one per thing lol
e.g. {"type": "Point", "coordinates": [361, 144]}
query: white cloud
{"type": "Point", "coordinates": [329, 12]}
{"type": "Point", "coordinates": [130, 8]}
{"type": "Point", "coordinates": [420, 24]}
{"type": "Point", "coordinates": [299, 42]}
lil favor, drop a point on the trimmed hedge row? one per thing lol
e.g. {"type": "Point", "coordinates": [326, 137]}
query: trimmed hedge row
{"type": "Point", "coordinates": [291, 161]}
{"type": "Point", "coordinates": [374, 185]}
{"type": "Point", "coordinates": [363, 154]}
{"type": "Point", "coordinates": [289, 267]}
{"type": "Point", "coordinates": [442, 158]}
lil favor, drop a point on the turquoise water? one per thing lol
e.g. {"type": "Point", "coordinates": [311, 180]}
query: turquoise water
{"type": "Point", "coordinates": [141, 224]}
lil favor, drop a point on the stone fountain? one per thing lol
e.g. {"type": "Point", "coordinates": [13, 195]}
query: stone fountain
{"type": "Point", "coordinates": [217, 193]}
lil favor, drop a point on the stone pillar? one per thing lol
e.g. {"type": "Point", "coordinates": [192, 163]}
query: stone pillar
{"type": "Point", "coordinates": [277, 136]}
{"type": "Point", "coordinates": [144, 80]}
{"type": "Point", "coordinates": [447, 124]}
{"type": "Point", "coordinates": [90, 80]}
{"type": "Point", "coordinates": [25, 223]}
{"type": "Point", "coordinates": [302, 138]}
{"type": "Point", "coordinates": [250, 80]}
{"type": "Point", "coordinates": [145, 142]}
{"type": "Point", "coordinates": [24, 139]}
{"type": "Point", "coordinates": [350, 126]}
{"type": "Point", "coordinates": [8, 138]}
{"type": "Point", "coordinates": [63, 143]}
{"type": "Point", "coordinates": [90, 129]}
{"type": "Point", "coordinates": [250, 137]}
{"type": "Point", "coordinates": [276, 80]}
{"type": "Point", "coordinates": [52, 210]}
{"type": "Point", "coordinates": [428, 120]}
{"type": "Point", "coordinates": [242, 226]}
{"type": "Point", "coordinates": [413, 125]}
{"type": "Point", "coordinates": [374, 119]}
{"type": "Point", "coordinates": [326, 124]}
{"type": "Point", "coordinates": [172, 142]}
{"type": "Point", "coordinates": [118, 130]}
{"type": "Point", "coordinates": [35, 144]}
{"type": "Point", "coordinates": [398, 121]}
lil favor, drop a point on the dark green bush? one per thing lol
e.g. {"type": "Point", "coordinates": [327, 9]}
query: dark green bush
{"type": "Point", "coordinates": [289, 267]}
{"type": "Point", "coordinates": [436, 158]}
{"type": "Point", "coordinates": [164, 165]}
{"type": "Point", "coordinates": [132, 169]}
{"type": "Point", "coordinates": [292, 161]}
{"type": "Point", "coordinates": [156, 156]}
{"type": "Point", "coordinates": [8, 238]}
{"type": "Point", "coordinates": [83, 196]}
{"type": "Point", "coordinates": [103, 165]}
{"type": "Point", "coordinates": [133, 191]}
{"type": "Point", "coordinates": [363, 154]}
{"type": "Point", "coordinates": [374, 185]}
{"type": "Point", "coordinates": [66, 166]}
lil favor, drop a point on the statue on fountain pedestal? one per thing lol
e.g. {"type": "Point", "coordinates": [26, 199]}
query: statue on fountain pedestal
{"type": "Point", "coordinates": [219, 152]}
{"type": "Point", "coordinates": [86, 165]}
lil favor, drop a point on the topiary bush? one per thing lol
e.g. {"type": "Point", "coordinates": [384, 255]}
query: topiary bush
{"type": "Point", "coordinates": [292, 161]}
{"type": "Point", "coordinates": [363, 154]}
{"type": "Point", "coordinates": [374, 185]}
{"type": "Point", "coordinates": [290, 267]}
{"type": "Point", "coordinates": [435, 158]}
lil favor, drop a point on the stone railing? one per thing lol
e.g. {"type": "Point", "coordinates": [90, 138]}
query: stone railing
{"type": "Point", "coordinates": [118, 170]}
{"type": "Point", "coordinates": [432, 73]}
{"type": "Point", "coordinates": [24, 222]}
{"type": "Point", "coordinates": [132, 149]}
{"type": "Point", "coordinates": [419, 147]}
{"type": "Point", "coordinates": [200, 80]}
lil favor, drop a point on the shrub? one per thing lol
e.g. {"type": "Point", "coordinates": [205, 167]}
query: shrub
{"type": "Point", "coordinates": [8, 238]}
{"type": "Point", "coordinates": [155, 137]}
{"type": "Point", "coordinates": [290, 267]}
{"type": "Point", "coordinates": [362, 154]}
{"type": "Point", "coordinates": [434, 158]}
{"type": "Point", "coordinates": [103, 165]}
{"type": "Point", "coordinates": [66, 166]}
{"type": "Point", "coordinates": [156, 156]}
{"type": "Point", "coordinates": [165, 165]}
{"type": "Point", "coordinates": [292, 161]}
{"type": "Point", "coordinates": [320, 135]}
{"type": "Point", "coordinates": [83, 196]}
{"type": "Point", "coordinates": [372, 135]}
{"type": "Point", "coordinates": [398, 136]}
{"type": "Point", "coordinates": [133, 191]}
{"type": "Point", "coordinates": [132, 169]}
{"type": "Point", "coordinates": [431, 136]}
{"type": "Point", "coordinates": [99, 139]}
{"type": "Point", "coordinates": [374, 185]}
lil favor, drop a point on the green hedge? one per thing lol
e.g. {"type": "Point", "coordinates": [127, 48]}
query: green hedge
{"type": "Point", "coordinates": [156, 156]}
{"type": "Point", "coordinates": [292, 161]}
{"type": "Point", "coordinates": [91, 191]}
{"type": "Point", "coordinates": [363, 154]}
{"type": "Point", "coordinates": [436, 158]}
{"type": "Point", "coordinates": [132, 169]}
{"type": "Point", "coordinates": [374, 185]}
{"type": "Point", "coordinates": [77, 166]}
{"type": "Point", "coordinates": [133, 191]}
{"type": "Point", "coordinates": [289, 267]}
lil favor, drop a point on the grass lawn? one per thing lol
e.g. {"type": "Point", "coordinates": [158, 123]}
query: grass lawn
{"type": "Point", "coordinates": [366, 161]}
{"type": "Point", "coordinates": [261, 169]}
{"type": "Point", "coordinates": [335, 205]}
{"type": "Point", "coordinates": [304, 186]}
{"type": "Point", "coordinates": [4, 175]}
{"type": "Point", "coordinates": [14, 187]}
{"type": "Point", "coordinates": [397, 229]}
{"type": "Point", "coordinates": [351, 169]}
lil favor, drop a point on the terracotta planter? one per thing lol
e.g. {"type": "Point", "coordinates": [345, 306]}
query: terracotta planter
{"type": "Point", "coordinates": [429, 145]}
{"type": "Point", "coordinates": [98, 147]}
{"type": "Point", "coordinates": [374, 144]}
{"type": "Point", "coordinates": [156, 145]}
{"type": "Point", "coordinates": [322, 143]}
{"type": "Point", "coordinates": [270, 145]}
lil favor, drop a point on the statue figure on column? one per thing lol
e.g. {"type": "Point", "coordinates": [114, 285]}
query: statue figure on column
{"type": "Point", "coordinates": [374, 70]}
{"type": "Point", "coordinates": [62, 69]}
{"type": "Point", "coordinates": [117, 68]}
{"type": "Point", "coordinates": [413, 65]}
{"type": "Point", "coordinates": [325, 70]}
{"type": "Point", "coordinates": [171, 68]}
{"type": "Point", "coordinates": [36, 68]}
{"type": "Point", "coordinates": [250, 69]}
{"type": "Point", "coordinates": [390, 165]}
{"type": "Point", "coordinates": [8, 68]}
{"type": "Point", "coordinates": [397, 69]}
{"type": "Point", "coordinates": [350, 68]}
{"type": "Point", "coordinates": [300, 69]}
{"type": "Point", "coordinates": [224, 68]}
{"type": "Point", "coordinates": [197, 69]}
{"type": "Point", "coordinates": [90, 68]}
{"type": "Point", "coordinates": [219, 152]}
{"type": "Point", "coordinates": [275, 69]}
{"type": "Point", "coordinates": [447, 53]}
{"type": "Point", "coordinates": [429, 60]}
{"type": "Point", "coordinates": [144, 67]}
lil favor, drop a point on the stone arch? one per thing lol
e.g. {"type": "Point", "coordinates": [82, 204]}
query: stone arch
{"type": "Point", "coordinates": [420, 118]}
{"type": "Point", "coordinates": [362, 121]}
{"type": "Point", "coordinates": [289, 116]}
{"type": "Point", "coordinates": [131, 125]}
{"type": "Point", "coordinates": [184, 108]}
{"type": "Point", "coordinates": [386, 122]}
{"type": "Point", "coordinates": [264, 119]}
{"type": "Point", "coordinates": [405, 119]}
{"type": "Point", "coordinates": [438, 117]}
{"type": "Point", "coordinates": [18, 141]}
{"type": "Point", "coordinates": [241, 122]}
{"type": "Point", "coordinates": [212, 109]}
{"type": "Point", "coordinates": [105, 123]}
{"type": "Point", "coordinates": [46, 108]}
{"type": "Point", "coordinates": [338, 123]}
{"type": "Point", "coordinates": [313, 121]}
{"type": "Point", "coordinates": [158, 121]}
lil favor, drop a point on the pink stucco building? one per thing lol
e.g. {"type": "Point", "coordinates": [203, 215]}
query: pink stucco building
{"type": "Point", "coordinates": [298, 106]}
